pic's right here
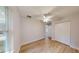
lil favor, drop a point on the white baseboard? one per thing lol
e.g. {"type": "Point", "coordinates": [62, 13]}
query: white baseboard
{"type": "Point", "coordinates": [29, 42]}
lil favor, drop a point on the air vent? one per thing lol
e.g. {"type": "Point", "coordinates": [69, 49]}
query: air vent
{"type": "Point", "coordinates": [29, 16]}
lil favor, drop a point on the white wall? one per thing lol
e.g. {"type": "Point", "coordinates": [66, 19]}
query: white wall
{"type": "Point", "coordinates": [75, 32]}
{"type": "Point", "coordinates": [14, 29]}
{"type": "Point", "coordinates": [53, 30]}
{"type": "Point", "coordinates": [32, 30]}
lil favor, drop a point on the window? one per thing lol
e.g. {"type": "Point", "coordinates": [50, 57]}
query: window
{"type": "Point", "coordinates": [3, 29]}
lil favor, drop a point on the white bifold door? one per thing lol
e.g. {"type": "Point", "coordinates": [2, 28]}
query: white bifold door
{"type": "Point", "coordinates": [62, 32]}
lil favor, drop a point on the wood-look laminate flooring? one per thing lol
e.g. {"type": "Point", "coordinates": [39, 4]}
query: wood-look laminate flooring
{"type": "Point", "coordinates": [47, 46]}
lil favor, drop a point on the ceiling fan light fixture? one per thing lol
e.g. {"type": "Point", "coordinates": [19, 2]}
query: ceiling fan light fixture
{"type": "Point", "coordinates": [46, 18]}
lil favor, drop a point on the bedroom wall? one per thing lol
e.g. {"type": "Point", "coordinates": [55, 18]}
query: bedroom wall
{"type": "Point", "coordinates": [53, 30]}
{"type": "Point", "coordinates": [32, 30]}
{"type": "Point", "coordinates": [75, 32]}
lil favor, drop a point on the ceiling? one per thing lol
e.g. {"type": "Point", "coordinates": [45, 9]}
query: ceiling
{"type": "Point", "coordinates": [35, 10]}
{"type": "Point", "coordinates": [55, 11]}
{"type": "Point", "coordinates": [64, 11]}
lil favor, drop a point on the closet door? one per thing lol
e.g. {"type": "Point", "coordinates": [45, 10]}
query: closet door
{"type": "Point", "coordinates": [62, 32]}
